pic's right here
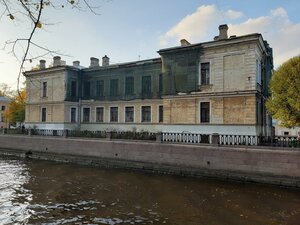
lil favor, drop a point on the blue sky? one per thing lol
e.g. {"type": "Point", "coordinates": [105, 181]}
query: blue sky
{"type": "Point", "coordinates": [127, 30]}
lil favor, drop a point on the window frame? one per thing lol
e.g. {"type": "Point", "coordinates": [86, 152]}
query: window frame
{"type": "Point", "coordinates": [125, 117]}
{"type": "Point", "coordinates": [209, 112]}
{"type": "Point", "coordinates": [143, 106]}
{"type": "Point", "coordinates": [103, 114]}
{"type": "Point", "coordinates": [43, 116]}
{"type": "Point", "coordinates": [44, 89]}
{"type": "Point", "coordinates": [71, 121]}
{"type": "Point", "coordinates": [114, 93]}
{"type": "Point", "coordinates": [110, 114]}
{"type": "Point", "coordinates": [200, 73]}
{"type": "Point", "coordinates": [83, 118]}
{"type": "Point", "coordinates": [160, 120]}
{"type": "Point", "coordinates": [129, 91]}
{"type": "Point", "coordinates": [100, 88]}
{"type": "Point", "coordinates": [145, 86]}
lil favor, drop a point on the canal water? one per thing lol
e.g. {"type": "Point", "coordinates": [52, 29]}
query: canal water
{"type": "Point", "coordinates": [41, 192]}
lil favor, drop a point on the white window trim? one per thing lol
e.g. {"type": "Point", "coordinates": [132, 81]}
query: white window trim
{"type": "Point", "coordinates": [76, 112]}
{"type": "Point", "coordinates": [142, 112]}
{"type": "Point", "coordinates": [90, 118]}
{"type": "Point", "coordinates": [210, 69]}
{"type": "Point", "coordinates": [210, 112]}
{"type": "Point", "coordinates": [96, 114]}
{"type": "Point", "coordinates": [109, 119]}
{"type": "Point", "coordinates": [125, 113]}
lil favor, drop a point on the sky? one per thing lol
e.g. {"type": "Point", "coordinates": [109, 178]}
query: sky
{"type": "Point", "coordinates": [129, 30]}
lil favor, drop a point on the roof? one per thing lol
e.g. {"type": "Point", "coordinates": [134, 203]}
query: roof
{"type": "Point", "coordinates": [230, 40]}
{"type": "Point", "coordinates": [4, 99]}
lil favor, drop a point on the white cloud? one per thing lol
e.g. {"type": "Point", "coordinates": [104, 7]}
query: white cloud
{"type": "Point", "coordinates": [233, 14]}
{"type": "Point", "coordinates": [276, 28]}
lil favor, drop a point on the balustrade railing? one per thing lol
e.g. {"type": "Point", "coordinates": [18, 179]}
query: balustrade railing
{"type": "Point", "coordinates": [166, 137]}
{"type": "Point", "coordinates": [190, 138]}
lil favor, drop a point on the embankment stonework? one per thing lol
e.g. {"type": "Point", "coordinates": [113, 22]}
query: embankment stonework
{"type": "Point", "coordinates": [273, 166]}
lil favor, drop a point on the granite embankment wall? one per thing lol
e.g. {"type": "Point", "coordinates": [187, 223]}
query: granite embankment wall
{"type": "Point", "coordinates": [273, 166]}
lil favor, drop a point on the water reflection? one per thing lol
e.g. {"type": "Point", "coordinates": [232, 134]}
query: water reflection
{"type": "Point", "coordinates": [14, 198]}
{"type": "Point", "coordinates": [40, 192]}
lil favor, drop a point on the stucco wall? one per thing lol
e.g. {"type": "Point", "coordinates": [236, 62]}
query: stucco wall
{"type": "Point", "coordinates": [253, 164]}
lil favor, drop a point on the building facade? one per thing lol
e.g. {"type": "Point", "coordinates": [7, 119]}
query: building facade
{"type": "Point", "coordinates": [3, 106]}
{"type": "Point", "coordinates": [218, 86]}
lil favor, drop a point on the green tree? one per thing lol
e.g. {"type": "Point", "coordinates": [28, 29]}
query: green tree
{"type": "Point", "coordinates": [284, 103]}
{"type": "Point", "coordinates": [15, 111]}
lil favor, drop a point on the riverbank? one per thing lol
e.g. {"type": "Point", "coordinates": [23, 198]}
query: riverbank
{"type": "Point", "coordinates": [247, 164]}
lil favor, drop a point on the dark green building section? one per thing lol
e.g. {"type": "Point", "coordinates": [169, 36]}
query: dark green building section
{"type": "Point", "coordinates": [180, 70]}
{"type": "Point", "coordinates": [137, 80]}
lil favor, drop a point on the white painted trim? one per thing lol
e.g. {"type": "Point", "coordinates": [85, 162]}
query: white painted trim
{"type": "Point", "coordinates": [125, 113]}
{"type": "Point", "coordinates": [150, 113]}
{"type": "Point", "coordinates": [90, 118]}
{"type": "Point", "coordinates": [70, 114]}
{"type": "Point", "coordinates": [110, 114]}
{"type": "Point", "coordinates": [96, 114]}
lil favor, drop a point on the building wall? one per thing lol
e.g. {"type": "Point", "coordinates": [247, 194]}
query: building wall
{"type": "Point", "coordinates": [3, 107]}
{"type": "Point", "coordinates": [275, 166]}
{"type": "Point", "coordinates": [223, 110]}
{"type": "Point", "coordinates": [53, 101]}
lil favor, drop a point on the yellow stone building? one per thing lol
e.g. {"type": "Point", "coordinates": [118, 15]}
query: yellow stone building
{"type": "Point", "coordinates": [218, 86]}
{"type": "Point", "coordinates": [3, 106]}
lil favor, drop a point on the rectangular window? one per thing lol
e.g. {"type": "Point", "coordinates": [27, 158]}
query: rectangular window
{"type": "Point", "coordinates": [204, 112]}
{"type": "Point", "coordinates": [73, 115]}
{"type": "Point", "coordinates": [2, 119]}
{"type": "Point", "coordinates": [286, 133]}
{"type": "Point", "coordinates": [73, 88]}
{"type": "Point", "coordinates": [129, 114]}
{"type": "Point", "coordinates": [86, 115]}
{"type": "Point", "coordinates": [3, 107]}
{"type": "Point", "coordinates": [258, 72]}
{"type": "Point", "coordinates": [129, 86]}
{"type": "Point", "coordinates": [205, 73]}
{"type": "Point", "coordinates": [146, 113]}
{"type": "Point", "coordinates": [100, 88]}
{"type": "Point", "coordinates": [86, 89]}
{"type": "Point", "coordinates": [160, 114]}
{"type": "Point", "coordinates": [44, 94]}
{"type": "Point", "coordinates": [99, 114]}
{"type": "Point", "coordinates": [113, 114]}
{"type": "Point", "coordinates": [160, 88]}
{"type": "Point", "coordinates": [114, 86]}
{"type": "Point", "coordinates": [44, 114]}
{"type": "Point", "coordinates": [146, 85]}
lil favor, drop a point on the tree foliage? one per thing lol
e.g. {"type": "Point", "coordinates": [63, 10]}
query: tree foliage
{"type": "Point", "coordinates": [284, 103]}
{"type": "Point", "coordinates": [30, 12]}
{"type": "Point", "coordinates": [15, 111]}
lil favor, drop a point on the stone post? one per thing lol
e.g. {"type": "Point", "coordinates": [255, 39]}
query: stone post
{"type": "Point", "coordinates": [215, 139]}
{"type": "Point", "coordinates": [159, 137]}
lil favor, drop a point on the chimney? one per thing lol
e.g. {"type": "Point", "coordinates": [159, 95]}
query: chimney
{"type": "Point", "coordinates": [105, 61]}
{"type": "Point", "coordinates": [94, 62]}
{"type": "Point", "coordinates": [76, 63]}
{"type": "Point", "coordinates": [42, 64]}
{"type": "Point", "coordinates": [223, 32]}
{"type": "Point", "coordinates": [56, 61]}
{"type": "Point", "coordinates": [184, 42]}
